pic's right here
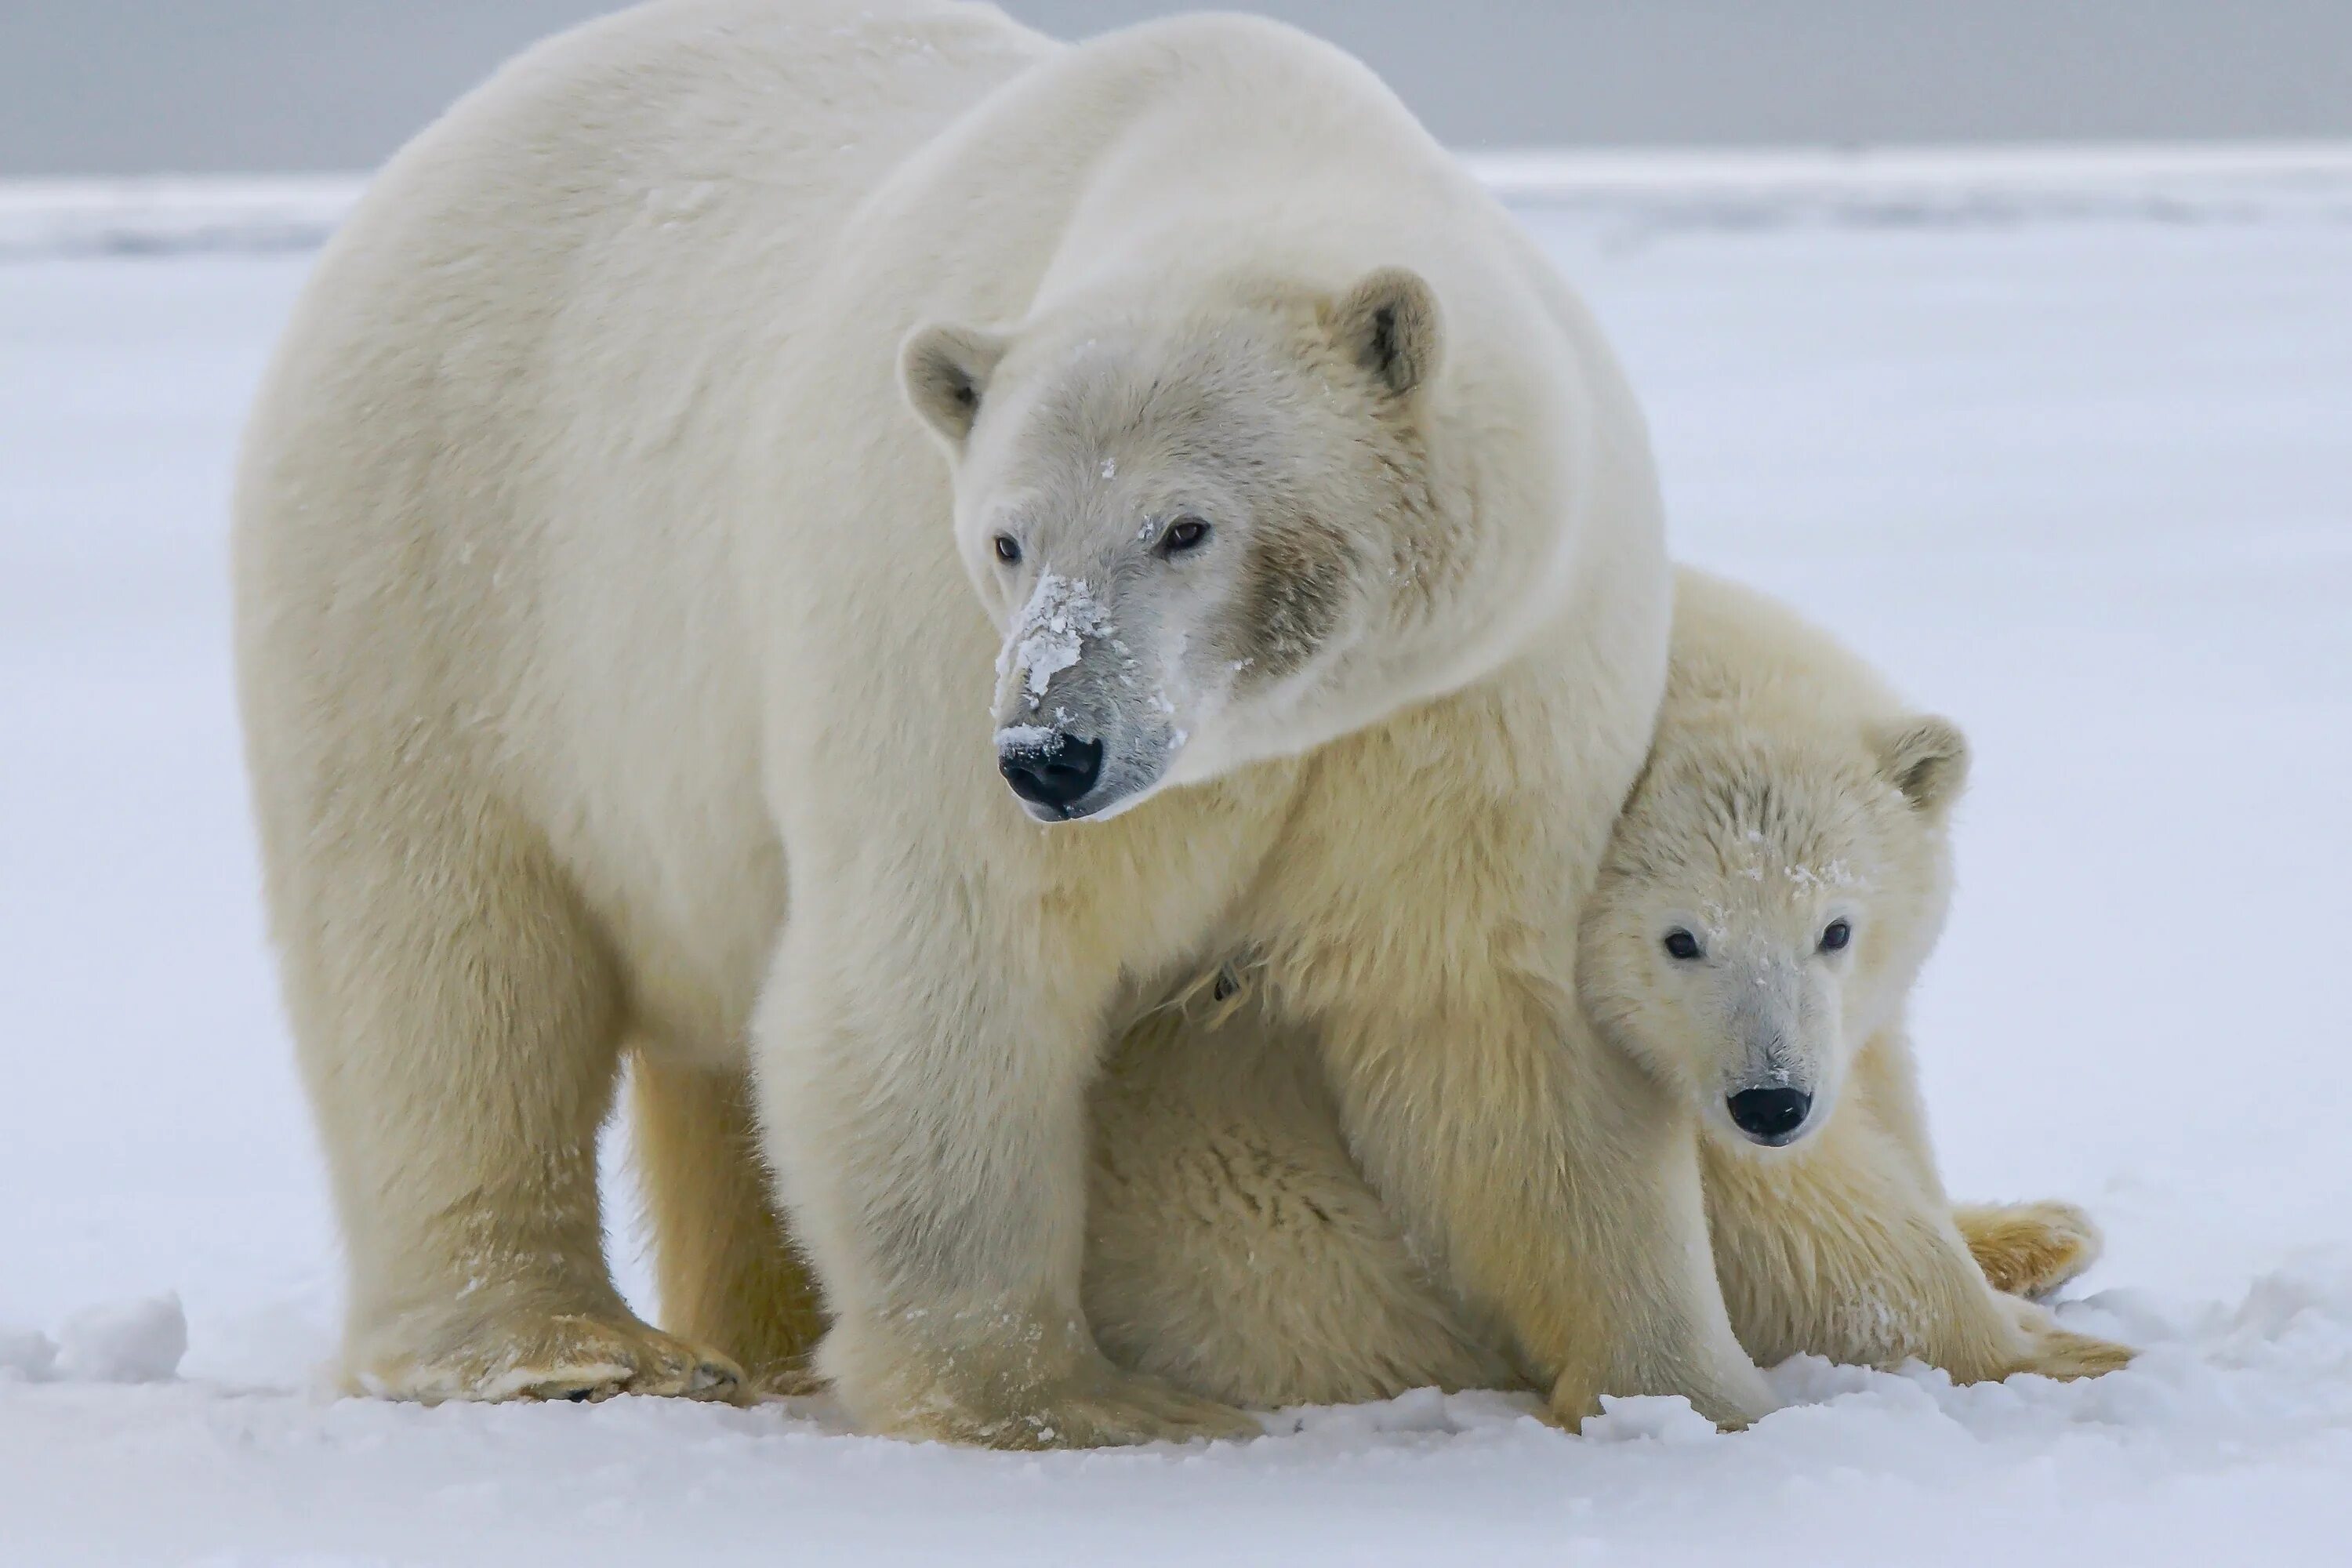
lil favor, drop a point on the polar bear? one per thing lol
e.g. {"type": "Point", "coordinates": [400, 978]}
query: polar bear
{"type": "Point", "coordinates": [1769, 893]}
{"type": "Point", "coordinates": [1037, 513]}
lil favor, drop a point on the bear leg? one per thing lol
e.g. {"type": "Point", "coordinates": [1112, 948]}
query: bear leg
{"type": "Point", "coordinates": [1845, 1247]}
{"type": "Point", "coordinates": [1234, 1247]}
{"type": "Point", "coordinates": [922, 1091]}
{"type": "Point", "coordinates": [458, 1025]}
{"type": "Point", "coordinates": [730, 1276]}
{"type": "Point", "coordinates": [1559, 1184]}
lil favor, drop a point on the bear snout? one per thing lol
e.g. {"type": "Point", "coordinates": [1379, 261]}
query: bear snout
{"type": "Point", "coordinates": [1772, 1117]}
{"type": "Point", "coordinates": [1051, 769]}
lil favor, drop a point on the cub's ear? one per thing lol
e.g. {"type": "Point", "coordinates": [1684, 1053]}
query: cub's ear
{"type": "Point", "coordinates": [945, 370]}
{"type": "Point", "coordinates": [1925, 757]}
{"type": "Point", "coordinates": [1388, 324]}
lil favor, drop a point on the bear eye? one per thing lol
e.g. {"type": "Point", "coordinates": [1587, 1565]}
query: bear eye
{"type": "Point", "coordinates": [1681, 944]}
{"type": "Point", "coordinates": [1008, 549]}
{"type": "Point", "coordinates": [1184, 533]}
{"type": "Point", "coordinates": [1835, 935]}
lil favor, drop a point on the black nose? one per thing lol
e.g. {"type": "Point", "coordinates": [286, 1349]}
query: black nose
{"type": "Point", "coordinates": [1770, 1115]}
{"type": "Point", "coordinates": [1057, 772]}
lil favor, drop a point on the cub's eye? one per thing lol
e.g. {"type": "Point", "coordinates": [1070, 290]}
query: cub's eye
{"type": "Point", "coordinates": [1835, 935]}
{"type": "Point", "coordinates": [1008, 549]}
{"type": "Point", "coordinates": [1681, 944]}
{"type": "Point", "coordinates": [1184, 533]}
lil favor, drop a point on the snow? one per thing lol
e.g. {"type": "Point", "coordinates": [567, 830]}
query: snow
{"type": "Point", "coordinates": [26, 1353]}
{"type": "Point", "coordinates": [2064, 448]}
{"type": "Point", "coordinates": [117, 1342]}
{"type": "Point", "coordinates": [1051, 631]}
{"type": "Point", "coordinates": [1748, 187]}
{"type": "Point", "coordinates": [124, 1341]}
{"type": "Point", "coordinates": [1023, 738]}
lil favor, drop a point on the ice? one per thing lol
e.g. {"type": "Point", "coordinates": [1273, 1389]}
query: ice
{"type": "Point", "coordinates": [2065, 455]}
{"type": "Point", "coordinates": [130, 1341]}
{"type": "Point", "coordinates": [123, 1341]}
{"type": "Point", "coordinates": [1647, 1417]}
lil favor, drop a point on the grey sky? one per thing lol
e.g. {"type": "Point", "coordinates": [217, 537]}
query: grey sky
{"type": "Point", "coordinates": [146, 86]}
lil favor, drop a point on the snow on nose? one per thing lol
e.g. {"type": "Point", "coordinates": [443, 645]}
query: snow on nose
{"type": "Point", "coordinates": [1049, 634]}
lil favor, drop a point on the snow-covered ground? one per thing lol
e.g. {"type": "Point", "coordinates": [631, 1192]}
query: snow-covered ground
{"type": "Point", "coordinates": [2070, 453]}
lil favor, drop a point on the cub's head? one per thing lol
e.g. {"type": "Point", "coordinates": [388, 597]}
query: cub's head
{"type": "Point", "coordinates": [1765, 905]}
{"type": "Point", "coordinates": [1185, 521]}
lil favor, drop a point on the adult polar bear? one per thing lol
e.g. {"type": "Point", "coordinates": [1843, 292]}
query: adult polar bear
{"type": "Point", "coordinates": [592, 574]}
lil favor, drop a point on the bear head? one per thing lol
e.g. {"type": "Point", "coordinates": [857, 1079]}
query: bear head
{"type": "Point", "coordinates": [1764, 908]}
{"type": "Point", "coordinates": [1187, 520]}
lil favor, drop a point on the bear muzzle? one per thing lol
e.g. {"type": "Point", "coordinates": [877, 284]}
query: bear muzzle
{"type": "Point", "coordinates": [1773, 1117]}
{"type": "Point", "coordinates": [1052, 769]}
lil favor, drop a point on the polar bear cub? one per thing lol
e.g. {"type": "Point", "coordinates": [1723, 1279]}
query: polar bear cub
{"type": "Point", "coordinates": [1777, 877]}
{"type": "Point", "coordinates": [1775, 883]}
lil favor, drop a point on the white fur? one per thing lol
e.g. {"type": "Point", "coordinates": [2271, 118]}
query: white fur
{"type": "Point", "coordinates": [593, 569]}
{"type": "Point", "coordinates": [1236, 1250]}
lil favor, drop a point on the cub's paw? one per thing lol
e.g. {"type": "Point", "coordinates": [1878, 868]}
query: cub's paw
{"type": "Point", "coordinates": [793, 1379]}
{"type": "Point", "coordinates": [2061, 1354]}
{"type": "Point", "coordinates": [2029, 1249]}
{"type": "Point", "coordinates": [552, 1356]}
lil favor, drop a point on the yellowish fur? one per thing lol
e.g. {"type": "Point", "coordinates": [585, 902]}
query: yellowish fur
{"type": "Point", "coordinates": [601, 599]}
{"type": "Point", "coordinates": [1238, 1248]}
{"type": "Point", "coordinates": [723, 1277]}
{"type": "Point", "coordinates": [2029, 1249]}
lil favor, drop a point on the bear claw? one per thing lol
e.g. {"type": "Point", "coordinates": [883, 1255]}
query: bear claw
{"type": "Point", "coordinates": [567, 1357]}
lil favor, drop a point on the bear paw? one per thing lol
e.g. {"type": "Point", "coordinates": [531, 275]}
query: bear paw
{"type": "Point", "coordinates": [1098, 1407]}
{"type": "Point", "coordinates": [557, 1357]}
{"type": "Point", "coordinates": [793, 1379]}
{"type": "Point", "coordinates": [2029, 1249]}
{"type": "Point", "coordinates": [2054, 1351]}
{"type": "Point", "coordinates": [1101, 1413]}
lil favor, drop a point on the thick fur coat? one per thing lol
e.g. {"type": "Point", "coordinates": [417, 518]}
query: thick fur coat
{"type": "Point", "coordinates": [1778, 877]}
{"type": "Point", "coordinates": [743, 439]}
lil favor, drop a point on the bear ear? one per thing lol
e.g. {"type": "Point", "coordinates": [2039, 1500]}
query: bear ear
{"type": "Point", "coordinates": [1925, 757]}
{"type": "Point", "coordinates": [1388, 324]}
{"type": "Point", "coordinates": [945, 370]}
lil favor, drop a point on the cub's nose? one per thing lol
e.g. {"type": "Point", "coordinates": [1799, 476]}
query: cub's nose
{"type": "Point", "coordinates": [1049, 768]}
{"type": "Point", "coordinates": [1770, 1115]}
